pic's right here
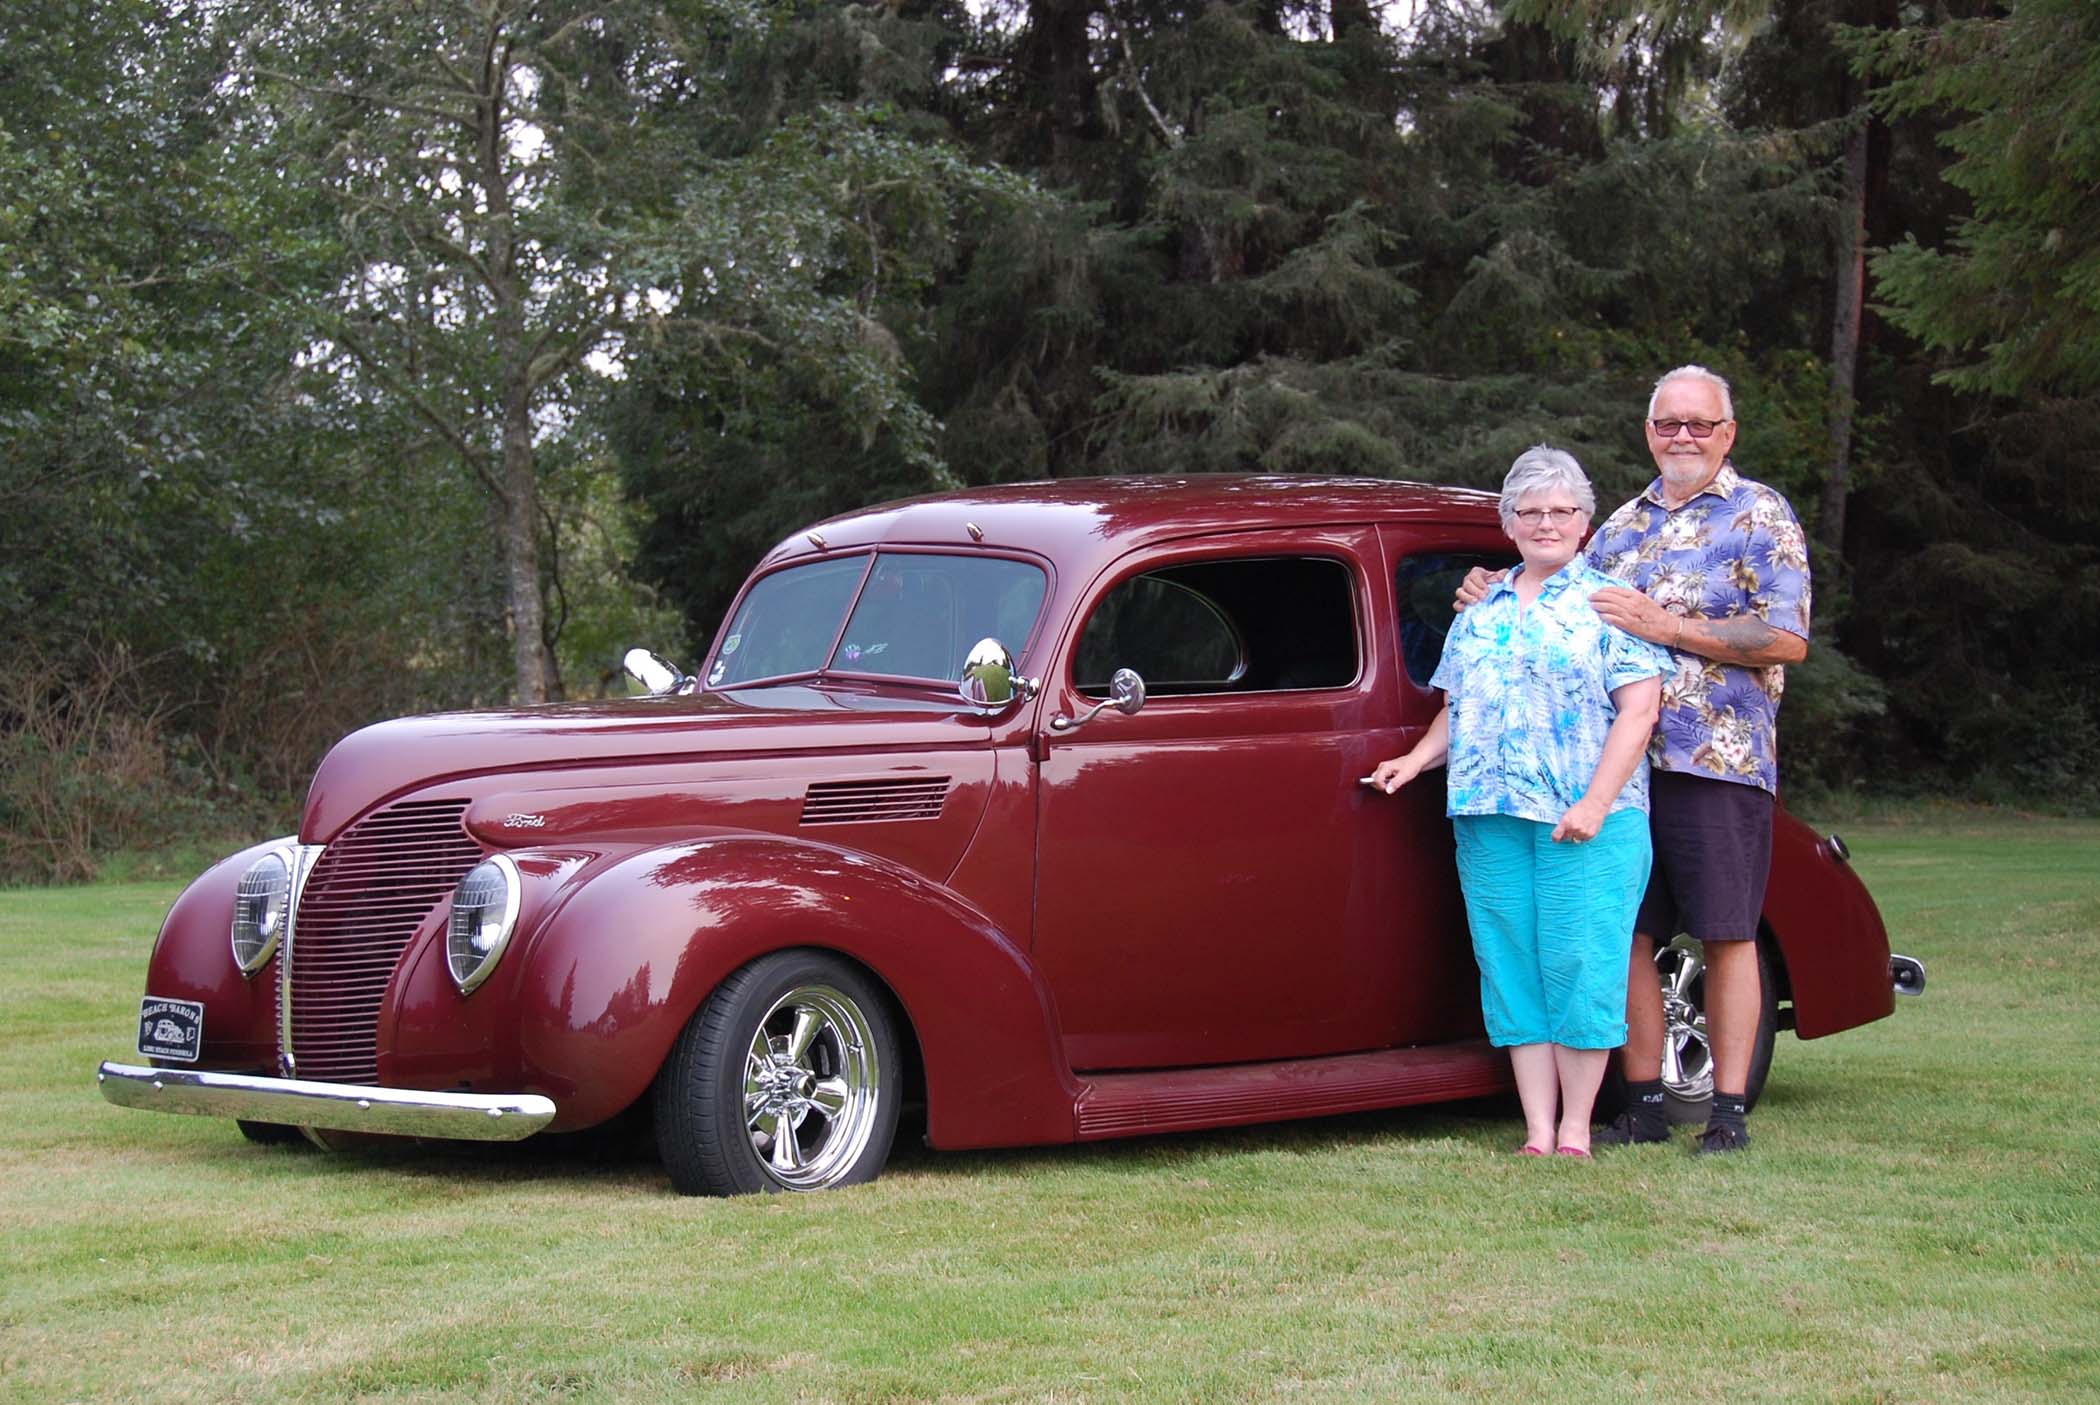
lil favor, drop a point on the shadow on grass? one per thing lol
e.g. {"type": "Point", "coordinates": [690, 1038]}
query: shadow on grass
{"type": "Point", "coordinates": [622, 1154]}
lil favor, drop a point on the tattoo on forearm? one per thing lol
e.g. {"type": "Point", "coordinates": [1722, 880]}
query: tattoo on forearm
{"type": "Point", "coordinates": [1745, 635]}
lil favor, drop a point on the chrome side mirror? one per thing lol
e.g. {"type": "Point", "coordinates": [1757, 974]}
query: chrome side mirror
{"type": "Point", "coordinates": [1126, 694]}
{"type": "Point", "coordinates": [991, 680]}
{"type": "Point", "coordinates": [657, 676]}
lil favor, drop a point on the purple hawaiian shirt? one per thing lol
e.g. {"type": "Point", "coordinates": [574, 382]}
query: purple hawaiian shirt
{"type": "Point", "coordinates": [1734, 549]}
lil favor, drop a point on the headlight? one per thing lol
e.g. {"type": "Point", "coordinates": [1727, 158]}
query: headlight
{"type": "Point", "coordinates": [259, 908]}
{"type": "Point", "coordinates": [484, 909]}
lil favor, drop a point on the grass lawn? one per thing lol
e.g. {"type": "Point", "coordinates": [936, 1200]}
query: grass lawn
{"type": "Point", "coordinates": [1918, 1220]}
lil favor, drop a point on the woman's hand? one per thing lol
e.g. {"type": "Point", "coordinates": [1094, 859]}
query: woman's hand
{"type": "Point", "coordinates": [1393, 774]}
{"type": "Point", "coordinates": [1430, 751]}
{"type": "Point", "coordinates": [1582, 821]}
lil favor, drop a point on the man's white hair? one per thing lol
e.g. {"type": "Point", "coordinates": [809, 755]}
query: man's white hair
{"type": "Point", "coordinates": [1694, 373]}
{"type": "Point", "coordinates": [1539, 468]}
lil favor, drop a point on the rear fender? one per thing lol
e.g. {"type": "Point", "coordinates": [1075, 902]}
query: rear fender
{"type": "Point", "coordinates": [1829, 933]}
{"type": "Point", "coordinates": [614, 974]}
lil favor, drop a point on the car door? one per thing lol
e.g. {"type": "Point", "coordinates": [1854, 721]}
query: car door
{"type": "Point", "coordinates": [1208, 868]}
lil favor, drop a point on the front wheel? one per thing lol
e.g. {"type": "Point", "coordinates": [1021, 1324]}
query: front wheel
{"type": "Point", "coordinates": [786, 1079]}
{"type": "Point", "coordinates": [269, 1133]}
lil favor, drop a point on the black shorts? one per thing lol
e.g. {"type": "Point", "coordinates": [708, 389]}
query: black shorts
{"type": "Point", "coordinates": [1713, 852]}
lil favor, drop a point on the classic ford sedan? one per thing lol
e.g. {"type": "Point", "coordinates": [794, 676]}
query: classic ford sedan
{"type": "Point", "coordinates": [1041, 807]}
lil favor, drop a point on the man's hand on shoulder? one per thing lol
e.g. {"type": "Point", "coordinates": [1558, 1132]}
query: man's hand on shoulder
{"type": "Point", "coordinates": [1474, 588]}
{"type": "Point", "coordinates": [1636, 614]}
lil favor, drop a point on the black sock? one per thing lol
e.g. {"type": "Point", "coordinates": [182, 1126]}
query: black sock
{"type": "Point", "coordinates": [1729, 1110]}
{"type": "Point", "coordinates": [1645, 1102]}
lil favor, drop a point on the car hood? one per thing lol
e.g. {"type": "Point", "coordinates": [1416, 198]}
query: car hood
{"type": "Point", "coordinates": [376, 763]}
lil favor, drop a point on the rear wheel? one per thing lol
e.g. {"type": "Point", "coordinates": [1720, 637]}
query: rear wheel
{"type": "Point", "coordinates": [1688, 1062]}
{"type": "Point", "coordinates": [786, 1079]}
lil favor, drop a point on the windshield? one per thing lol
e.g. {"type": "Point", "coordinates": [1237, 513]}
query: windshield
{"type": "Point", "coordinates": [917, 616]}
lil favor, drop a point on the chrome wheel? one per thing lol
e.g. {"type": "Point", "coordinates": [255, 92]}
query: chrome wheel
{"type": "Point", "coordinates": [812, 1085]}
{"type": "Point", "coordinates": [1687, 1057]}
{"type": "Point", "coordinates": [787, 1078]}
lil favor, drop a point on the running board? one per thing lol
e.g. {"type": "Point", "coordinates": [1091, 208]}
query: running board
{"type": "Point", "coordinates": [1185, 1099]}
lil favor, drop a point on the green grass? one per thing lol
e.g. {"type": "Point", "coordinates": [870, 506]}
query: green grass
{"type": "Point", "coordinates": [1919, 1220]}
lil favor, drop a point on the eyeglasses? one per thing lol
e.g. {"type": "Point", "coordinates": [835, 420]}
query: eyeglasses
{"type": "Point", "coordinates": [1558, 516]}
{"type": "Point", "coordinates": [1700, 429]}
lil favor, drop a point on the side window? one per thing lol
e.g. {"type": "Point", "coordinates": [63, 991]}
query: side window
{"type": "Point", "coordinates": [1264, 624]}
{"type": "Point", "coordinates": [1423, 588]}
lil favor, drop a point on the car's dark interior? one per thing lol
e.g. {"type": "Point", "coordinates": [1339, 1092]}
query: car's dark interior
{"type": "Point", "coordinates": [1262, 624]}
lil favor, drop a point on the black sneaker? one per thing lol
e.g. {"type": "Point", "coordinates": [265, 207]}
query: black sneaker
{"type": "Point", "coordinates": [1718, 1139]}
{"type": "Point", "coordinates": [1628, 1130]}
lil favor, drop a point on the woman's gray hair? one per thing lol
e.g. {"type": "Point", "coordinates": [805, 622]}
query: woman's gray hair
{"type": "Point", "coordinates": [1693, 373]}
{"type": "Point", "coordinates": [1539, 468]}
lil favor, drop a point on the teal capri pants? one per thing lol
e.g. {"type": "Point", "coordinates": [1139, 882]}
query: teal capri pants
{"type": "Point", "coordinates": [1552, 926]}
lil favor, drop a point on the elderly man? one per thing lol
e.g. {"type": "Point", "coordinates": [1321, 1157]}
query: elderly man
{"type": "Point", "coordinates": [1719, 570]}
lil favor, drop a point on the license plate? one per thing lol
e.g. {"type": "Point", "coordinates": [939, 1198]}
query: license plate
{"type": "Point", "coordinates": [171, 1029]}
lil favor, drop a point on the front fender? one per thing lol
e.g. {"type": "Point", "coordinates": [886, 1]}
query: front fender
{"type": "Point", "coordinates": [612, 977]}
{"type": "Point", "coordinates": [193, 960]}
{"type": "Point", "coordinates": [1829, 932]}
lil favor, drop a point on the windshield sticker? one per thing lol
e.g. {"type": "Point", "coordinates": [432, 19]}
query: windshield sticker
{"type": "Point", "coordinates": [729, 644]}
{"type": "Point", "coordinates": [714, 675]}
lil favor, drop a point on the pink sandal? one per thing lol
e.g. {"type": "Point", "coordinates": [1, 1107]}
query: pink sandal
{"type": "Point", "coordinates": [1575, 1151]}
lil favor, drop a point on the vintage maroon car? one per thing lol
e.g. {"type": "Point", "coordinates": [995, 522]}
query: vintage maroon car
{"type": "Point", "coordinates": [1038, 805]}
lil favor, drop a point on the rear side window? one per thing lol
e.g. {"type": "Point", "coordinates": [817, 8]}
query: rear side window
{"type": "Point", "coordinates": [1265, 624]}
{"type": "Point", "coordinates": [1423, 588]}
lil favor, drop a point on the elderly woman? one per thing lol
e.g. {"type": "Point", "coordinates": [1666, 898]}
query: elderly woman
{"type": "Point", "coordinates": [1545, 725]}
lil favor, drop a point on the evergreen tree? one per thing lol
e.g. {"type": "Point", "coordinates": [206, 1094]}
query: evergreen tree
{"type": "Point", "coordinates": [2016, 298]}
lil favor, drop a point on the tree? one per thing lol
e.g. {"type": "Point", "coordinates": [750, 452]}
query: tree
{"type": "Point", "coordinates": [539, 195]}
{"type": "Point", "coordinates": [2015, 299]}
{"type": "Point", "coordinates": [498, 182]}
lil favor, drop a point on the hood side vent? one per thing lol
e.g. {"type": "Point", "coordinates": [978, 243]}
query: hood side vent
{"type": "Point", "coordinates": [874, 802]}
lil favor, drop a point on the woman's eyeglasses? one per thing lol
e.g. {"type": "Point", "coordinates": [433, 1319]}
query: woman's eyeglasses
{"type": "Point", "coordinates": [1558, 516]}
{"type": "Point", "coordinates": [1700, 429]}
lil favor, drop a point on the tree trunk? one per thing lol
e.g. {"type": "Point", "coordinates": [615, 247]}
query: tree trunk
{"type": "Point", "coordinates": [521, 537]}
{"type": "Point", "coordinates": [1846, 311]}
{"type": "Point", "coordinates": [522, 547]}
{"type": "Point", "coordinates": [1351, 17]}
{"type": "Point", "coordinates": [1055, 59]}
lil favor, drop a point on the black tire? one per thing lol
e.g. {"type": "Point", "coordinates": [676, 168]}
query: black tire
{"type": "Point", "coordinates": [741, 1110]}
{"type": "Point", "coordinates": [1688, 1087]}
{"type": "Point", "coordinates": [269, 1133]}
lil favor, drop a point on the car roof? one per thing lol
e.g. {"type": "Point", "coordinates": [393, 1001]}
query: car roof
{"type": "Point", "coordinates": [1075, 521]}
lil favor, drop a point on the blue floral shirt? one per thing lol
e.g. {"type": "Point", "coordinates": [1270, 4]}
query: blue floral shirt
{"type": "Point", "coordinates": [1735, 549]}
{"type": "Point", "coordinates": [1530, 696]}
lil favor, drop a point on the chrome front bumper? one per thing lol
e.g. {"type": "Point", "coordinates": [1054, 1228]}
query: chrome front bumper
{"type": "Point", "coordinates": [341, 1107]}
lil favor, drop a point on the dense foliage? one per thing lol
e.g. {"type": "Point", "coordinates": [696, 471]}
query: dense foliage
{"type": "Point", "coordinates": [375, 357]}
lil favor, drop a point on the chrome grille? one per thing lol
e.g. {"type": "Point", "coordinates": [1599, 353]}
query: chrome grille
{"type": "Point", "coordinates": [269, 984]}
{"type": "Point", "coordinates": [863, 802]}
{"type": "Point", "coordinates": [366, 896]}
